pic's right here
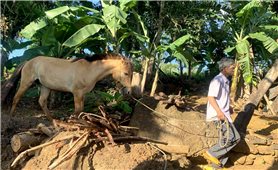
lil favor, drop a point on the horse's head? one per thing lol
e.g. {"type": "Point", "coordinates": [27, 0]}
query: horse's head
{"type": "Point", "coordinates": [123, 73]}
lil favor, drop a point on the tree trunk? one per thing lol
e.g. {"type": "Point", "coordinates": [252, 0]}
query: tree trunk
{"type": "Point", "coordinates": [274, 105]}
{"type": "Point", "coordinates": [24, 140]}
{"type": "Point", "coordinates": [136, 85]}
{"type": "Point", "coordinates": [146, 65]}
{"type": "Point", "coordinates": [156, 43]}
{"type": "Point", "coordinates": [235, 84]}
{"type": "Point", "coordinates": [189, 69]}
{"type": "Point", "coordinates": [273, 92]}
{"type": "Point", "coordinates": [4, 59]}
{"type": "Point", "coordinates": [243, 118]}
{"type": "Point", "coordinates": [154, 83]}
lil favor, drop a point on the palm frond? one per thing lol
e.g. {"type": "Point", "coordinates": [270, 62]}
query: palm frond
{"type": "Point", "coordinates": [247, 8]}
{"type": "Point", "coordinates": [270, 44]}
{"type": "Point", "coordinates": [244, 60]}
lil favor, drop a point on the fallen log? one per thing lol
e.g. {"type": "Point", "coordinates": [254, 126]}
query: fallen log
{"type": "Point", "coordinates": [25, 140]}
{"type": "Point", "coordinates": [274, 105]}
{"type": "Point", "coordinates": [273, 92]}
{"type": "Point", "coordinates": [46, 130]}
{"type": "Point", "coordinates": [243, 118]}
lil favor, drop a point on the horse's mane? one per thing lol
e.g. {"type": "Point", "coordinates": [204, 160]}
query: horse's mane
{"type": "Point", "coordinates": [96, 57]}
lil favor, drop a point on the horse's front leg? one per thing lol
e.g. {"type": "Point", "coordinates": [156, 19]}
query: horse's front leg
{"type": "Point", "coordinates": [78, 103]}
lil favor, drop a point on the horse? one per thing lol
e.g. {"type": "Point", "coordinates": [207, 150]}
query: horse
{"type": "Point", "coordinates": [77, 76]}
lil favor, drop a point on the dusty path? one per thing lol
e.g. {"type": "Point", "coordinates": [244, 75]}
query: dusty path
{"type": "Point", "coordinates": [131, 156]}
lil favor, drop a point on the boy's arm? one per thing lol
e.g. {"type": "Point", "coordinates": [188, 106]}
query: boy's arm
{"type": "Point", "coordinates": [214, 104]}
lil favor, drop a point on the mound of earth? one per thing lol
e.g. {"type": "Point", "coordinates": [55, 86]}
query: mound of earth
{"type": "Point", "coordinates": [185, 131]}
{"type": "Point", "coordinates": [96, 156]}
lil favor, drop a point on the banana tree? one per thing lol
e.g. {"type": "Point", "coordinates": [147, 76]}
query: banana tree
{"type": "Point", "coordinates": [112, 22]}
{"type": "Point", "coordinates": [177, 50]}
{"type": "Point", "coordinates": [66, 29]}
{"type": "Point", "coordinates": [253, 43]}
{"type": "Point", "coordinates": [56, 28]}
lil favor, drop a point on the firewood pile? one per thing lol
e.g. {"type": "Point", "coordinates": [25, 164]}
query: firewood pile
{"type": "Point", "coordinates": [86, 128]}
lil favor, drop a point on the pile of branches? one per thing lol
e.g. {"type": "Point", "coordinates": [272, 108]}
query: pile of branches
{"type": "Point", "coordinates": [88, 127]}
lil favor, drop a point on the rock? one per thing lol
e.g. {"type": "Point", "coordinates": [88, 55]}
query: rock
{"type": "Point", "coordinates": [274, 146]}
{"type": "Point", "coordinates": [245, 147]}
{"type": "Point", "coordinates": [184, 162]}
{"type": "Point", "coordinates": [269, 159]}
{"type": "Point", "coordinates": [237, 158]}
{"type": "Point", "coordinates": [265, 150]}
{"type": "Point", "coordinates": [250, 159]}
{"type": "Point", "coordinates": [259, 160]}
{"type": "Point", "coordinates": [256, 140]}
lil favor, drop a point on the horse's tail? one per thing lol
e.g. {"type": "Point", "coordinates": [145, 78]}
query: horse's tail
{"type": "Point", "coordinates": [8, 89]}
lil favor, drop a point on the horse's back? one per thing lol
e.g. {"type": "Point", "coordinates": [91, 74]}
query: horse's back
{"type": "Point", "coordinates": [47, 60]}
{"type": "Point", "coordinates": [52, 72]}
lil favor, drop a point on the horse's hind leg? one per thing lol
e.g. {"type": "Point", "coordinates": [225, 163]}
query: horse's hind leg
{"type": "Point", "coordinates": [43, 101]}
{"type": "Point", "coordinates": [24, 85]}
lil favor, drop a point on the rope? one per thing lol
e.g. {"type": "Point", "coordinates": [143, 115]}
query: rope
{"type": "Point", "coordinates": [159, 113]}
{"type": "Point", "coordinates": [164, 154]}
{"type": "Point", "coordinates": [220, 125]}
{"type": "Point", "coordinates": [221, 136]}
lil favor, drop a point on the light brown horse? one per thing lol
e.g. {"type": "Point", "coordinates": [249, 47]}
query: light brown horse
{"type": "Point", "coordinates": [78, 77]}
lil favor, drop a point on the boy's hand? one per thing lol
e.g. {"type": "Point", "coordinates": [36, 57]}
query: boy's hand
{"type": "Point", "coordinates": [221, 116]}
{"type": "Point", "coordinates": [231, 110]}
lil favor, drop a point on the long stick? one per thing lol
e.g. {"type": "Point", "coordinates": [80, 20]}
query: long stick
{"type": "Point", "coordinates": [71, 151]}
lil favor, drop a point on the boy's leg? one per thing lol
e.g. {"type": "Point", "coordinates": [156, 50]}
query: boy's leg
{"type": "Point", "coordinates": [219, 152]}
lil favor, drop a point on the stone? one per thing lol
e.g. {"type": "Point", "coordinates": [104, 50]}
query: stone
{"type": "Point", "coordinates": [259, 161]}
{"type": "Point", "coordinates": [265, 150]}
{"type": "Point", "coordinates": [274, 146]}
{"type": "Point", "coordinates": [237, 158]}
{"type": "Point", "coordinates": [250, 159]}
{"type": "Point", "coordinates": [245, 147]}
{"type": "Point", "coordinates": [256, 140]}
{"type": "Point", "coordinates": [269, 159]}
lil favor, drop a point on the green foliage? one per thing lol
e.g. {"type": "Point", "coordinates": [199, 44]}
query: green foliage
{"type": "Point", "coordinates": [10, 44]}
{"type": "Point", "coordinates": [117, 101]}
{"type": "Point", "coordinates": [33, 27]}
{"type": "Point", "coordinates": [171, 70]}
{"type": "Point", "coordinates": [193, 32]}
{"type": "Point", "coordinates": [252, 45]}
{"type": "Point", "coordinates": [270, 44]}
{"type": "Point", "coordinates": [113, 16]}
{"type": "Point", "coordinates": [82, 34]}
{"type": "Point", "coordinates": [177, 50]}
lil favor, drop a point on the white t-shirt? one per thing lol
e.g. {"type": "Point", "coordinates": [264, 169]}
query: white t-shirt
{"type": "Point", "coordinates": [219, 88]}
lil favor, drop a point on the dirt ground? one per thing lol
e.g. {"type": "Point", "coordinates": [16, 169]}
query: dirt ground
{"type": "Point", "coordinates": [122, 156]}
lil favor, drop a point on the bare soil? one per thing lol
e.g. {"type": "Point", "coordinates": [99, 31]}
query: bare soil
{"type": "Point", "coordinates": [122, 156]}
